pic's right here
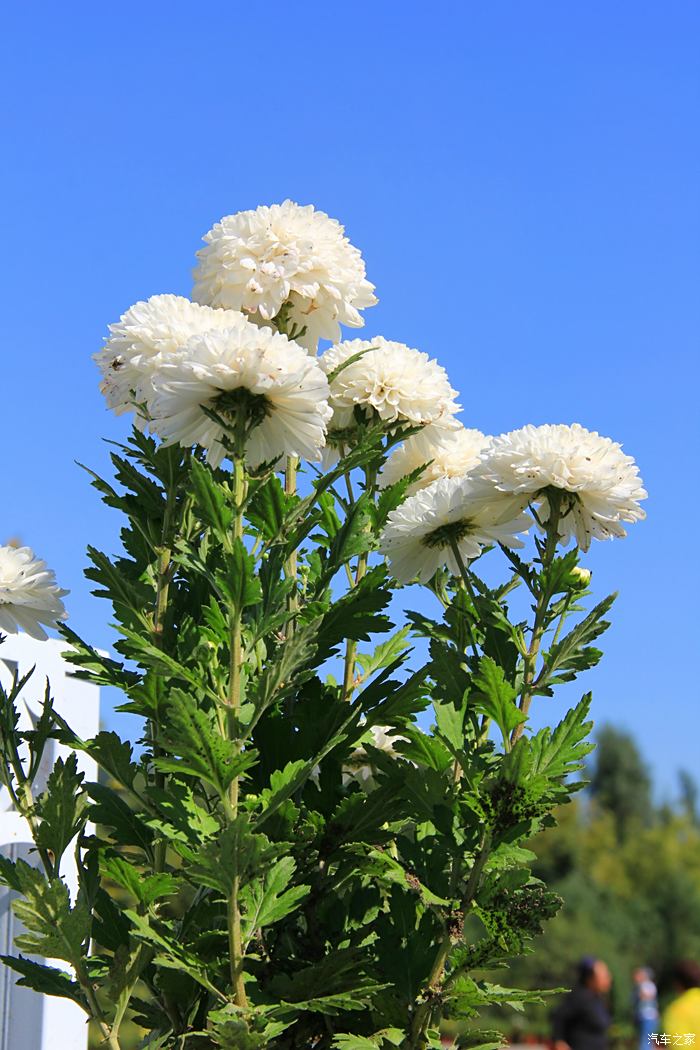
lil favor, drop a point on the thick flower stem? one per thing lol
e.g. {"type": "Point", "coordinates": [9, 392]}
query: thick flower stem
{"type": "Point", "coordinates": [290, 565]}
{"type": "Point", "coordinates": [362, 561]}
{"type": "Point", "coordinates": [467, 584]}
{"type": "Point", "coordinates": [544, 596]}
{"type": "Point", "coordinates": [234, 706]}
{"type": "Point", "coordinates": [423, 1014]}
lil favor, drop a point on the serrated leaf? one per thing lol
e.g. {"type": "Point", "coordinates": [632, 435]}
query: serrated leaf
{"type": "Point", "coordinates": [47, 980]}
{"type": "Point", "coordinates": [196, 746]}
{"type": "Point", "coordinates": [210, 499]}
{"type": "Point", "coordinates": [53, 928]}
{"type": "Point", "coordinates": [267, 900]}
{"type": "Point", "coordinates": [495, 696]}
{"type": "Point", "coordinates": [143, 887]}
{"type": "Point", "coordinates": [574, 652]}
{"type": "Point", "coordinates": [61, 808]}
{"type": "Point", "coordinates": [559, 752]}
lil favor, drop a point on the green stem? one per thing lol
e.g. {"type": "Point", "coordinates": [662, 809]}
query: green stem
{"type": "Point", "coordinates": [362, 561]}
{"type": "Point", "coordinates": [290, 565]}
{"type": "Point", "coordinates": [539, 626]}
{"type": "Point", "coordinates": [466, 582]}
{"type": "Point", "coordinates": [423, 1015]}
{"type": "Point", "coordinates": [234, 706]}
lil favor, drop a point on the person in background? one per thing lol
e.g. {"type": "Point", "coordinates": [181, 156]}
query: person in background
{"type": "Point", "coordinates": [645, 1005]}
{"type": "Point", "coordinates": [582, 1019]}
{"type": "Point", "coordinates": [682, 1016]}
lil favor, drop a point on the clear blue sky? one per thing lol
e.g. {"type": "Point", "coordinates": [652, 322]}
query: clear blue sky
{"type": "Point", "coordinates": [522, 178]}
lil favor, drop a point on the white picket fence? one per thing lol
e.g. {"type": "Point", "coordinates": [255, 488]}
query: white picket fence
{"type": "Point", "coordinates": [29, 1021]}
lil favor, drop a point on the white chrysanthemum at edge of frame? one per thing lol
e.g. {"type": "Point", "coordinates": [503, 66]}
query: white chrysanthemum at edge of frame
{"type": "Point", "coordinates": [448, 453]}
{"type": "Point", "coordinates": [419, 534]}
{"type": "Point", "coordinates": [399, 383]}
{"type": "Point", "coordinates": [291, 388]}
{"type": "Point", "coordinates": [148, 334]}
{"type": "Point", "coordinates": [256, 261]}
{"type": "Point", "coordinates": [602, 481]}
{"type": "Point", "coordinates": [29, 594]}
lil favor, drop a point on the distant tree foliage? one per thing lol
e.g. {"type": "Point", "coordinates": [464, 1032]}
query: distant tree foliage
{"type": "Point", "coordinates": [620, 780]}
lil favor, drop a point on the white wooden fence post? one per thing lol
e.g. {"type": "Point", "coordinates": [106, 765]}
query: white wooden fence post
{"type": "Point", "coordinates": [29, 1021]}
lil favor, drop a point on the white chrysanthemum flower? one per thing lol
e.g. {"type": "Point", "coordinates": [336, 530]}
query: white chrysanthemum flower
{"type": "Point", "coordinates": [601, 483]}
{"type": "Point", "coordinates": [419, 534]}
{"type": "Point", "coordinates": [283, 390]}
{"type": "Point", "coordinates": [398, 383]}
{"type": "Point", "coordinates": [359, 767]}
{"type": "Point", "coordinates": [256, 261]}
{"type": "Point", "coordinates": [147, 334]}
{"type": "Point", "coordinates": [29, 594]}
{"type": "Point", "coordinates": [444, 452]}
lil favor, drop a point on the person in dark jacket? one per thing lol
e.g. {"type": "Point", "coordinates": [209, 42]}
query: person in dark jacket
{"type": "Point", "coordinates": [582, 1019]}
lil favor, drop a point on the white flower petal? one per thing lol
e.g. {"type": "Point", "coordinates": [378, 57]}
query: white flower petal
{"type": "Point", "coordinates": [29, 594]}
{"type": "Point", "coordinates": [479, 514]}
{"type": "Point", "coordinates": [604, 481]}
{"type": "Point", "coordinates": [255, 261]}
{"type": "Point", "coordinates": [258, 360]}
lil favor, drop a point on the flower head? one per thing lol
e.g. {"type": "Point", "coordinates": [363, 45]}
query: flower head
{"type": "Point", "coordinates": [601, 486]}
{"type": "Point", "coordinates": [398, 383]}
{"type": "Point", "coordinates": [359, 767]}
{"type": "Point", "coordinates": [145, 336]}
{"type": "Point", "coordinates": [29, 594]}
{"type": "Point", "coordinates": [445, 452]}
{"type": "Point", "coordinates": [421, 534]}
{"type": "Point", "coordinates": [256, 261]}
{"type": "Point", "coordinates": [280, 390]}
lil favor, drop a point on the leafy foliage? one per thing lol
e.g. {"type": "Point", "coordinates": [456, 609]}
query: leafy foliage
{"type": "Point", "coordinates": [290, 859]}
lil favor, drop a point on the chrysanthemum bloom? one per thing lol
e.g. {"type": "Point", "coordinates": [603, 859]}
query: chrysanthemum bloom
{"type": "Point", "coordinates": [146, 335]}
{"type": "Point", "coordinates": [29, 594]}
{"type": "Point", "coordinates": [281, 391]}
{"type": "Point", "coordinates": [601, 486]}
{"type": "Point", "coordinates": [390, 380]}
{"type": "Point", "coordinates": [359, 767]}
{"type": "Point", "coordinates": [444, 452]}
{"type": "Point", "coordinates": [256, 261]}
{"type": "Point", "coordinates": [420, 535]}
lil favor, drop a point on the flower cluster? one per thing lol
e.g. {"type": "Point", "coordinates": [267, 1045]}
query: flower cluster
{"type": "Point", "coordinates": [29, 594]}
{"type": "Point", "coordinates": [232, 370]}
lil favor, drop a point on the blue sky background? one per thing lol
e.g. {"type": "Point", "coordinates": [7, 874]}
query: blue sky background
{"type": "Point", "coordinates": [522, 179]}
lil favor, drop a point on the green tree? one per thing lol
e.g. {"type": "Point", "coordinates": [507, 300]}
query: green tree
{"type": "Point", "coordinates": [620, 780]}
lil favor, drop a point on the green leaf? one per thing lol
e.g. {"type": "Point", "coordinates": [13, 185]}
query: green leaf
{"type": "Point", "coordinates": [385, 653]}
{"type": "Point", "coordinates": [47, 980]}
{"type": "Point", "coordinates": [450, 723]}
{"type": "Point", "coordinates": [61, 808]}
{"type": "Point", "coordinates": [111, 809]}
{"type": "Point", "coordinates": [267, 508]}
{"type": "Point", "coordinates": [267, 900]}
{"type": "Point", "coordinates": [194, 741]}
{"type": "Point", "coordinates": [210, 499]}
{"type": "Point", "coordinates": [335, 984]}
{"type": "Point", "coordinates": [574, 653]}
{"type": "Point", "coordinates": [172, 954]}
{"type": "Point", "coordinates": [495, 696]}
{"type": "Point", "coordinates": [144, 888]}
{"type": "Point", "coordinates": [560, 752]}
{"type": "Point", "coordinates": [238, 581]}
{"type": "Point", "coordinates": [53, 928]}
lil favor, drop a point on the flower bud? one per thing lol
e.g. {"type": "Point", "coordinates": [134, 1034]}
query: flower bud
{"type": "Point", "coordinates": [580, 577]}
